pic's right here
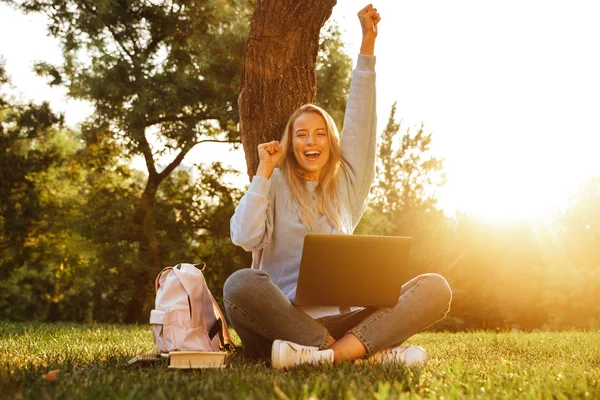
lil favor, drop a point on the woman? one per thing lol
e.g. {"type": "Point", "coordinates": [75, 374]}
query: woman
{"type": "Point", "coordinates": [321, 186]}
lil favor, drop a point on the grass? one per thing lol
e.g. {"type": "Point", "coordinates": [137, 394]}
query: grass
{"type": "Point", "coordinates": [91, 360]}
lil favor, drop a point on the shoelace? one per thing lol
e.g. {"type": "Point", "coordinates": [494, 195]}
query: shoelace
{"type": "Point", "coordinates": [393, 354]}
{"type": "Point", "coordinates": [397, 350]}
{"type": "Point", "coordinates": [303, 354]}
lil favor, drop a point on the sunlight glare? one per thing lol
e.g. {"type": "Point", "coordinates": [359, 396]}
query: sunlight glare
{"type": "Point", "coordinates": [508, 190]}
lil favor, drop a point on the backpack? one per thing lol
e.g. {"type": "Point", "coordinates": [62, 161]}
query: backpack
{"type": "Point", "coordinates": [186, 316]}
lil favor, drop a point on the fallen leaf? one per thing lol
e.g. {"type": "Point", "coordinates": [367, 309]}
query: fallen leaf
{"type": "Point", "coordinates": [51, 375]}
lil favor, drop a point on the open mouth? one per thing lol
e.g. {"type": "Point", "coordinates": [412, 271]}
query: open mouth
{"type": "Point", "coordinates": [312, 155]}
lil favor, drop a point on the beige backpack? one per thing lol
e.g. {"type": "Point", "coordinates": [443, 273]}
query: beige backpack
{"type": "Point", "coordinates": [186, 316]}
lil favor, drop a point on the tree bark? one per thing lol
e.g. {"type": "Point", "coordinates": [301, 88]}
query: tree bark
{"type": "Point", "coordinates": [278, 74]}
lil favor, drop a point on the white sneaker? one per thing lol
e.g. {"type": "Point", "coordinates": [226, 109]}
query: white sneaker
{"type": "Point", "coordinates": [286, 354]}
{"type": "Point", "coordinates": [406, 355]}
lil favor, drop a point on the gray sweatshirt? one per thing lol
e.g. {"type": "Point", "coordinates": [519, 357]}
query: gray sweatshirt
{"type": "Point", "coordinates": [264, 223]}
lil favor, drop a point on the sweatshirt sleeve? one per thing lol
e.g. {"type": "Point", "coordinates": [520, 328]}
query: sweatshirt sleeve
{"type": "Point", "coordinates": [359, 136]}
{"type": "Point", "coordinates": [251, 225]}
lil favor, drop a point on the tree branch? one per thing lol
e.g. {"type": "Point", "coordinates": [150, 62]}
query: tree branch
{"type": "Point", "coordinates": [175, 163]}
{"type": "Point", "coordinates": [186, 148]}
{"type": "Point", "coordinates": [152, 46]}
{"type": "Point", "coordinates": [147, 153]}
{"type": "Point", "coordinates": [113, 33]}
{"type": "Point", "coordinates": [167, 118]}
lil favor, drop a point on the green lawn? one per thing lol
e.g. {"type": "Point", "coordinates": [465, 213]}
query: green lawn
{"type": "Point", "coordinates": [92, 358]}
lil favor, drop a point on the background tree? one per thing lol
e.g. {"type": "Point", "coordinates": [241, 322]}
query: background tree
{"type": "Point", "coordinates": [30, 146]}
{"type": "Point", "coordinates": [407, 174]}
{"type": "Point", "coordinates": [279, 65]}
{"type": "Point", "coordinates": [403, 197]}
{"type": "Point", "coordinates": [54, 233]}
{"type": "Point", "coordinates": [162, 75]}
{"type": "Point", "coordinates": [66, 215]}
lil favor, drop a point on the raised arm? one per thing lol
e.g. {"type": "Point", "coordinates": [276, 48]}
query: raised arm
{"type": "Point", "coordinates": [360, 122]}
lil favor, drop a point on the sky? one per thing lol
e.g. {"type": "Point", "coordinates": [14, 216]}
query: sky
{"type": "Point", "coordinates": [510, 91]}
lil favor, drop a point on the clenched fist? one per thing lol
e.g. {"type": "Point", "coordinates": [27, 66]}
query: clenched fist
{"type": "Point", "coordinates": [269, 155]}
{"type": "Point", "coordinates": [369, 19]}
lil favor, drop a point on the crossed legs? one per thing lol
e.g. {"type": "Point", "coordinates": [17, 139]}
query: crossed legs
{"type": "Point", "coordinates": [260, 313]}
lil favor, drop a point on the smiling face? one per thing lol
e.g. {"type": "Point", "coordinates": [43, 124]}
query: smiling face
{"type": "Point", "coordinates": [310, 143]}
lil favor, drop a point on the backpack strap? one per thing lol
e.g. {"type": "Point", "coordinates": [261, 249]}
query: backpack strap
{"type": "Point", "coordinates": [193, 281]}
{"type": "Point", "coordinates": [157, 281]}
{"type": "Point", "coordinates": [224, 335]}
{"type": "Point", "coordinates": [220, 326]}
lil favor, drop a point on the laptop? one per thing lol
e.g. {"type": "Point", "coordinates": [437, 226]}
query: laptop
{"type": "Point", "coordinates": [352, 270]}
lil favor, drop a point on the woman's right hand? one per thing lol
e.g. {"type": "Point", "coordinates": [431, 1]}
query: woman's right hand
{"type": "Point", "coordinates": [369, 19]}
{"type": "Point", "coordinates": [269, 155]}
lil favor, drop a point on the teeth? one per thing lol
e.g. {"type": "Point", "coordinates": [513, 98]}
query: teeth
{"type": "Point", "coordinates": [312, 153]}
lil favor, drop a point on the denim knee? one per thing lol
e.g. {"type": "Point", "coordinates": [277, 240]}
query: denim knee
{"type": "Point", "coordinates": [241, 283]}
{"type": "Point", "coordinates": [439, 288]}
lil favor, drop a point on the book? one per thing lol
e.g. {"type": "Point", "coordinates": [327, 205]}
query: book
{"type": "Point", "coordinates": [146, 359]}
{"type": "Point", "coordinates": [197, 359]}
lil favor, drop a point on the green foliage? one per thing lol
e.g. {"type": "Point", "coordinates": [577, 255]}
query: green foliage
{"type": "Point", "coordinates": [34, 149]}
{"type": "Point", "coordinates": [403, 197]}
{"type": "Point", "coordinates": [28, 136]}
{"type": "Point", "coordinates": [193, 212]}
{"type": "Point", "coordinates": [162, 77]}
{"type": "Point", "coordinates": [91, 359]}
{"type": "Point", "coordinates": [406, 173]}
{"type": "Point", "coordinates": [67, 229]}
{"type": "Point", "coordinates": [172, 66]}
{"type": "Point", "coordinates": [334, 68]}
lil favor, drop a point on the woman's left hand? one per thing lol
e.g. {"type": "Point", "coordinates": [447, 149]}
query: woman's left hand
{"type": "Point", "coordinates": [369, 18]}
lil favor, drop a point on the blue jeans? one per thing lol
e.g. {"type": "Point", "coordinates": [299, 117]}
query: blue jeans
{"type": "Point", "coordinates": [260, 313]}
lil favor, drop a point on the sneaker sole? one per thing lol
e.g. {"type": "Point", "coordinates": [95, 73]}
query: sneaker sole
{"type": "Point", "coordinates": [414, 355]}
{"type": "Point", "coordinates": [275, 359]}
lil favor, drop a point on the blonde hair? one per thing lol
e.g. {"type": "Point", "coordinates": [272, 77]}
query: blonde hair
{"type": "Point", "coordinates": [326, 194]}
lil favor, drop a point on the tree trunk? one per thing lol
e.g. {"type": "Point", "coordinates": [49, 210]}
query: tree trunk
{"type": "Point", "coordinates": [148, 255]}
{"type": "Point", "coordinates": [150, 262]}
{"type": "Point", "coordinates": [278, 73]}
